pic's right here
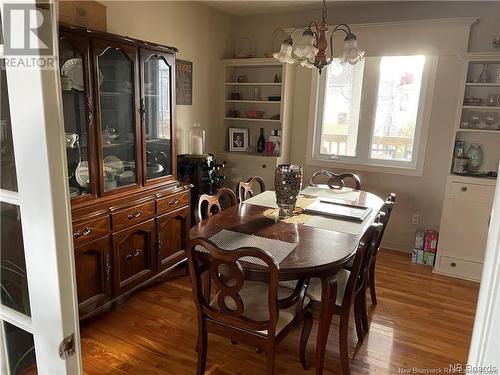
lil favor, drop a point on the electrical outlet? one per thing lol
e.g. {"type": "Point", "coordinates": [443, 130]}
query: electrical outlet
{"type": "Point", "coordinates": [415, 219]}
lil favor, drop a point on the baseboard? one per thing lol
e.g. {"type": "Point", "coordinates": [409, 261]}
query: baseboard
{"type": "Point", "coordinates": [395, 246]}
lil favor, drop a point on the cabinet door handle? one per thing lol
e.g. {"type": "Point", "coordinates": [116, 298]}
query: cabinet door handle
{"type": "Point", "coordinates": [85, 232]}
{"type": "Point", "coordinates": [175, 201]}
{"type": "Point", "coordinates": [135, 215]}
{"type": "Point", "coordinates": [142, 109]}
{"type": "Point", "coordinates": [133, 254]}
{"type": "Point", "coordinates": [453, 264]}
{"type": "Point", "coordinates": [107, 267]}
{"type": "Point", "coordinates": [464, 188]}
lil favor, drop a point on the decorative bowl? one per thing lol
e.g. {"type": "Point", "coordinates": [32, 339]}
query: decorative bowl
{"type": "Point", "coordinates": [255, 114]}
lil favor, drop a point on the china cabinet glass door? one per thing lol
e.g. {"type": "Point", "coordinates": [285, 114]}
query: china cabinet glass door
{"type": "Point", "coordinates": [77, 111]}
{"type": "Point", "coordinates": [116, 77]}
{"type": "Point", "coordinates": [157, 114]}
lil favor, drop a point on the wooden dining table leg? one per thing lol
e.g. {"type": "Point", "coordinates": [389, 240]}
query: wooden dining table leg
{"type": "Point", "coordinates": [328, 296]}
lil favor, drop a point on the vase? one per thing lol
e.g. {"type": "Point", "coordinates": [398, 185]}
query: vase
{"type": "Point", "coordinates": [475, 155]}
{"type": "Point", "coordinates": [287, 184]}
{"type": "Point", "coordinates": [483, 77]}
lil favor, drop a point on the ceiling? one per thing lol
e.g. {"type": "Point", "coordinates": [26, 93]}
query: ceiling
{"type": "Point", "coordinates": [253, 7]}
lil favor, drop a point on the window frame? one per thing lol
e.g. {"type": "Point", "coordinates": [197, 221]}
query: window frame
{"type": "Point", "coordinates": [362, 161]}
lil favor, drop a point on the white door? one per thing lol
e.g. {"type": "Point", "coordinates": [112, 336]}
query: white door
{"type": "Point", "coordinates": [38, 293]}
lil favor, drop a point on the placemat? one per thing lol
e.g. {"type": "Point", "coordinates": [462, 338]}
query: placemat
{"type": "Point", "coordinates": [345, 194]}
{"type": "Point", "coordinates": [318, 221]}
{"type": "Point", "coordinates": [230, 240]}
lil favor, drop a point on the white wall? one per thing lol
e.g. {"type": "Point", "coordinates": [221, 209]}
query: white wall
{"type": "Point", "coordinates": [422, 195]}
{"type": "Point", "coordinates": [200, 33]}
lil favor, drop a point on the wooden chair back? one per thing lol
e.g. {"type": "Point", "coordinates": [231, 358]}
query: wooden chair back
{"type": "Point", "coordinates": [209, 205]}
{"type": "Point", "coordinates": [359, 273]}
{"type": "Point", "coordinates": [384, 216]}
{"type": "Point", "coordinates": [223, 268]}
{"type": "Point", "coordinates": [246, 189]}
{"type": "Point", "coordinates": [336, 181]}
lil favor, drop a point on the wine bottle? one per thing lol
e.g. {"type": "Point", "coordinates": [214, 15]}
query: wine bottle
{"type": "Point", "coordinates": [261, 142]}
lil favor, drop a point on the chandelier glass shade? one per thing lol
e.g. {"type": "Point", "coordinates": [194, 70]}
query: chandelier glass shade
{"type": "Point", "coordinates": [311, 49]}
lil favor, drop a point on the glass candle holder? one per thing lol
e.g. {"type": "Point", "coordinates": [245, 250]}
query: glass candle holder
{"type": "Point", "coordinates": [197, 140]}
{"type": "Point", "coordinates": [287, 184]}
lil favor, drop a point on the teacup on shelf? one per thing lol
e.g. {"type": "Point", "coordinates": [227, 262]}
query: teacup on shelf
{"type": "Point", "coordinates": [71, 139]}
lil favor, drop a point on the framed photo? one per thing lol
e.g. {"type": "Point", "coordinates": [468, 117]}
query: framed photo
{"type": "Point", "coordinates": [238, 139]}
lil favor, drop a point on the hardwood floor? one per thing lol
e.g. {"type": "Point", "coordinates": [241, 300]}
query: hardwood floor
{"type": "Point", "coordinates": [422, 320]}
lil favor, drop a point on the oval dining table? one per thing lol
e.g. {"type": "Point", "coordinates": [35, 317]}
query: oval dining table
{"type": "Point", "coordinates": [319, 252]}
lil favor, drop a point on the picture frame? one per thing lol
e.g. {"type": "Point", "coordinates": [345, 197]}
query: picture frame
{"type": "Point", "coordinates": [238, 139]}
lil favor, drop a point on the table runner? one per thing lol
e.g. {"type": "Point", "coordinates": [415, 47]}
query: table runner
{"type": "Point", "coordinates": [230, 240]}
{"type": "Point", "coordinates": [268, 199]}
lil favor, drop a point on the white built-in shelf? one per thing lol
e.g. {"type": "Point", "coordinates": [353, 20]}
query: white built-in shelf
{"type": "Point", "coordinates": [255, 101]}
{"type": "Point", "coordinates": [489, 131]}
{"type": "Point", "coordinates": [478, 84]}
{"type": "Point", "coordinates": [253, 84]}
{"type": "Point", "coordinates": [251, 119]}
{"type": "Point", "coordinates": [485, 107]}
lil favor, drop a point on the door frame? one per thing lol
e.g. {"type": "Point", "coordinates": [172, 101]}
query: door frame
{"type": "Point", "coordinates": [43, 199]}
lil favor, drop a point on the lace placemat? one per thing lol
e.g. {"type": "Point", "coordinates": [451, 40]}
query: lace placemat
{"type": "Point", "coordinates": [230, 240]}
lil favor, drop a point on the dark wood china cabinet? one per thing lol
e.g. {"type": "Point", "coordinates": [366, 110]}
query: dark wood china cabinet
{"type": "Point", "coordinates": [130, 214]}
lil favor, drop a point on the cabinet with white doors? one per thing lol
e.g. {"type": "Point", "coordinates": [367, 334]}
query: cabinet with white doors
{"type": "Point", "coordinates": [469, 193]}
{"type": "Point", "coordinates": [464, 226]}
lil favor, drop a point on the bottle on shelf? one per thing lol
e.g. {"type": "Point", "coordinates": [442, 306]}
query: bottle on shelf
{"type": "Point", "coordinates": [261, 142]}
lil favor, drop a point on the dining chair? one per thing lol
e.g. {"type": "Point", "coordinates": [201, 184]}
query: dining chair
{"type": "Point", "coordinates": [351, 289]}
{"type": "Point", "coordinates": [386, 210]}
{"type": "Point", "coordinates": [383, 218]}
{"type": "Point", "coordinates": [255, 313]}
{"type": "Point", "coordinates": [336, 181]}
{"type": "Point", "coordinates": [209, 205]}
{"type": "Point", "coordinates": [246, 189]}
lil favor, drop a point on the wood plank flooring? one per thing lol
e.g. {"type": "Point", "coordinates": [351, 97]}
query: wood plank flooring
{"type": "Point", "coordinates": [422, 320]}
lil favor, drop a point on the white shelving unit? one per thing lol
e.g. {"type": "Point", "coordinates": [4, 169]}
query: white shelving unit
{"type": "Point", "coordinates": [260, 73]}
{"type": "Point", "coordinates": [468, 199]}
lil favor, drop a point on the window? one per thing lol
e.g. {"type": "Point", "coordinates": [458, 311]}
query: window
{"type": "Point", "coordinates": [375, 113]}
{"type": "Point", "coordinates": [340, 117]}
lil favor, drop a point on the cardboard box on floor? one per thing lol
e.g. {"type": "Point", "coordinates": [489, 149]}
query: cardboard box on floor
{"type": "Point", "coordinates": [88, 14]}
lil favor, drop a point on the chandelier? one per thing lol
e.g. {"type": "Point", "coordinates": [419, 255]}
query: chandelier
{"type": "Point", "coordinates": [310, 52]}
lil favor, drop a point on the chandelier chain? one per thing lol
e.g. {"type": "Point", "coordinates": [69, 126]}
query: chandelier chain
{"type": "Point", "coordinates": [324, 11]}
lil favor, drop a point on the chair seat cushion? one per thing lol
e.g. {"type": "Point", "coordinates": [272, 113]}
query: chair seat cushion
{"type": "Point", "coordinates": [314, 289]}
{"type": "Point", "coordinates": [254, 295]}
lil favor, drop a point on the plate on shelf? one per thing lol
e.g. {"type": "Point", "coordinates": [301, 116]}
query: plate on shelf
{"type": "Point", "coordinates": [82, 173]}
{"type": "Point", "coordinates": [126, 178]}
{"type": "Point", "coordinates": [114, 164]}
{"type": "Point", "coordinates": [73, 68]}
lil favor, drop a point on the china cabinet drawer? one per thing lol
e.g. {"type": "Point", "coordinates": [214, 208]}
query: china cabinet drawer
{"type": "Point", "coordinates": [171, 203]}
{"type": "Point", "coordinates": [460, 268]}
{"type": "Point", "coordinates": [474, 192]}
{"type": "Point", "coordinates": [90, 229]}
{"type": "Point", "coordinates": [133, 215]}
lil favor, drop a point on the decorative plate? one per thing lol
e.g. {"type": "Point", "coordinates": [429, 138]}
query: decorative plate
{"type": "Point", "coordinates": [82, 173]}
{"type": "Point", "coordinates": [114, 163]}
{"type": "Point", "coordinates": [73, 68]}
